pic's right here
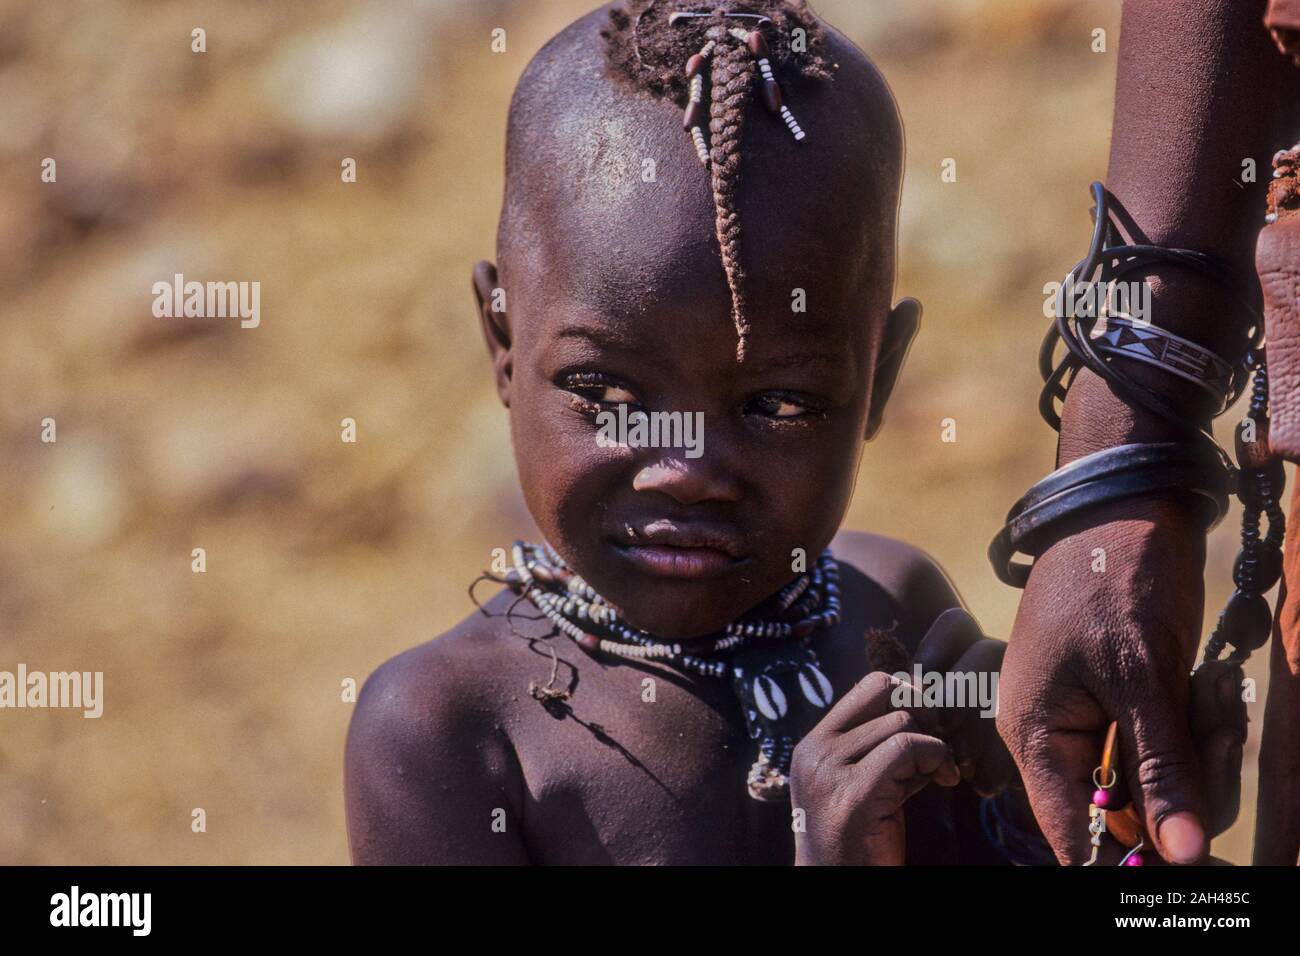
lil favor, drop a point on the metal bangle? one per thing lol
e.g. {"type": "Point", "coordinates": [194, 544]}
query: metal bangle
{"type": "Point", "coordinates": [1105, 476]}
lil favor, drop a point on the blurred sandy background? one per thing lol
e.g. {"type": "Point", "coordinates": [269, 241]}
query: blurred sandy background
{"type": "Point", "coordinates": [223, 689]}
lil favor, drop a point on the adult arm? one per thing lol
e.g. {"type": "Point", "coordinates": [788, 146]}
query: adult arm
{"type": "Point", "coordinates": [1200, 88]}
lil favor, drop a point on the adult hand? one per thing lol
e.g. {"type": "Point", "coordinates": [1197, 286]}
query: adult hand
{"type": "Point", "coordinates": [1108, 630]}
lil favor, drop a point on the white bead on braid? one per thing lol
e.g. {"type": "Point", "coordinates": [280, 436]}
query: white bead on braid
{"type": "Point", "coordinates": [693, 122]}
{"type": "Point", "coordinates": [790, 121]}
{"type": "Point", "coordinates": [697, 134]}
{"type": "Point", "coordinates": [701, 147]}
{"type": "Point", "coordinates": [695, 111]}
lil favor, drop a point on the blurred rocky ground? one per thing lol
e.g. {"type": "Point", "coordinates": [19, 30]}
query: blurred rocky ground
{"type": "Point", "coordinates": [222, 689]}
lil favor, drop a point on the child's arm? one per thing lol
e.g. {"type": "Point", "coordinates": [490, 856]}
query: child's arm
{"type": "Point", "coordinates": [854, 771]}
{"type": "Point", "coordinates": [430, 777]}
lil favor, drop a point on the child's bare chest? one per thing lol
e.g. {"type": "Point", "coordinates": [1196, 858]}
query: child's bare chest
{"type": "Point", "coordinates": [645, 764]}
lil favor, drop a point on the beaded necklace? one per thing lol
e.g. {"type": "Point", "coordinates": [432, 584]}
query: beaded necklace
{"type": "Point", "coordinates": [767, 659]}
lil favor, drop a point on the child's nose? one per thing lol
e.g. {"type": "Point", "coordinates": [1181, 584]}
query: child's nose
{"type": "Point", "coordinates": [688, 481]}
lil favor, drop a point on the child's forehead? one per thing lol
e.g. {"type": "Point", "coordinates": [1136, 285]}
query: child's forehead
{"type": "Point", "coordinates": [660, 254]}
{"type": "Point", "coordinates": [608, 205]}
{"type": "Point", "coordinates": [687, 329]}
{"type": "Point", "coordinates": [704, 341]}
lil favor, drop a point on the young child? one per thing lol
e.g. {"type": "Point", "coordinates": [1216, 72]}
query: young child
{"type": "Point", "coordinates": [682, 672]}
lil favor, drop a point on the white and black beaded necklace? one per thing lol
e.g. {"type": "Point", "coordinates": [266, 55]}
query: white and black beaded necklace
{"type": "Point", "coordinates": [773, 671]}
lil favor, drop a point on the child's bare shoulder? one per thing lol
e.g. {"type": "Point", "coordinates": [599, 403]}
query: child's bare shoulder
{"type": "Point", "coordinates": [429, 750]}
{"type": "Point", "coordinates": [914, 580]}
{"type": "Point", "coordinates": [454, 676]}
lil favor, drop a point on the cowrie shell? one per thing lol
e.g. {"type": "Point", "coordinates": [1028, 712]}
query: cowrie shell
{"type": "Point", "coordinates": [816, 688]}
{"type": "Point", "coordinates": [769, 698]}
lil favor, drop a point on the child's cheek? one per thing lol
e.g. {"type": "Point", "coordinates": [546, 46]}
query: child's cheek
{"type": "Point", "coordinates": [825, 471]}
{"type": "Point", "coordinates": [566, 474]}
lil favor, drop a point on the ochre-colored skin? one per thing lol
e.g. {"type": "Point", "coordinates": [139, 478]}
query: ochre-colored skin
{"type": "Point", "coordinates": [607, 274]}
{"type": "Point", "coordinates": [1200, 88]}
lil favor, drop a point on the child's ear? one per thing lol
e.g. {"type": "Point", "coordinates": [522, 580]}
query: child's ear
{"type": "Point", "coordinates": [900, 328]}
{"type": "Point", "coordinates": [496, 326]}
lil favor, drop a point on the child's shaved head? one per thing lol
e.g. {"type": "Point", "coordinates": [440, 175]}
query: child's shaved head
{"type": "Point", "coordinates": [639, 262]}
{"type": "Point", "coordinates": [599, 110]}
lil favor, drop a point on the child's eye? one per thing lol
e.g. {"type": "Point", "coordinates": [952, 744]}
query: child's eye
{"type": "Point", "coordinates": [598, 390]}
{"type": "Point", "coordinates": [613, 395]}
{"type": "Point", "coordinates": [783, 407]}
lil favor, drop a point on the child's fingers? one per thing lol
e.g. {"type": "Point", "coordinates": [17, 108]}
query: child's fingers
{"type": "Point", "coordinates": [856, 742]}
{"type": "Point", "coordinates": [867, 699]}
{"type": "Point", "coordinates": [950, 636]}
{"type": "Point", "coordinates": [908, 755]}
{"type": "Point", "coordinates": [968, 725]}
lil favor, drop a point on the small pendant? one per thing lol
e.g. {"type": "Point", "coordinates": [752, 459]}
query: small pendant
{"type": "Point", "coordinates": [776, 715]}
{"type": "Point", "coordinates": [767, 781]}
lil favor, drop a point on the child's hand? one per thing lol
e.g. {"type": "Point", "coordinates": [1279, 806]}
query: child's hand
{"type": "Point", "coordinates": [954, 644]}
{"type": "Point", "coordinates": [854, 771]}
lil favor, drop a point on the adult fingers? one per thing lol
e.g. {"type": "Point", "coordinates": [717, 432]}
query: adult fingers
{"type": "Point", "coordinates": [1215, 702]}
{"type": "Point", "coordinates": [1221, 757]}
{"type": "Point", "coordinates": [1057, 773]}
{"type": "Point", "coordinates": [1163, 773]}
{"type": "Point", "coordinates": [1218, 723]}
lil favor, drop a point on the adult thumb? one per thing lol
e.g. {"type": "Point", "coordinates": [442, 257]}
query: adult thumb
{"type": "Point", "coordinates": [1163, 775]}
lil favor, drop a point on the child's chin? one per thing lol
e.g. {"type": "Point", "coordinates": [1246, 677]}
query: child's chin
{"type": "Point", "coordinates": [674, 603]}
{"type": "Point", "coordinates": [675, 611]}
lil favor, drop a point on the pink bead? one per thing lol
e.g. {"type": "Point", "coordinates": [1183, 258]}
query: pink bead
{"type": "Point", "coordinates": [1135, 860]}
{"type": "Point", "coordinates": [1101, 798]}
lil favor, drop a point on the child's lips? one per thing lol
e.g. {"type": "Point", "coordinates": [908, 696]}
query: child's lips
{"type": "Point", "coordinates": [670, 549]}
{"type": "Point", "coordinates": [685, 563]}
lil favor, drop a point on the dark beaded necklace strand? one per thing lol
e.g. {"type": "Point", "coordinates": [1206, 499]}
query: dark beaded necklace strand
{"type": "Point", "coordinates": [757, 653]}
{"type": "Point", "coordinates": [1247, 621]}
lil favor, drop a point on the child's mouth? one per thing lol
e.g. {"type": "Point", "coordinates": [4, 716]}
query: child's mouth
{"type": "Point", "coordinates": [670, 550]}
